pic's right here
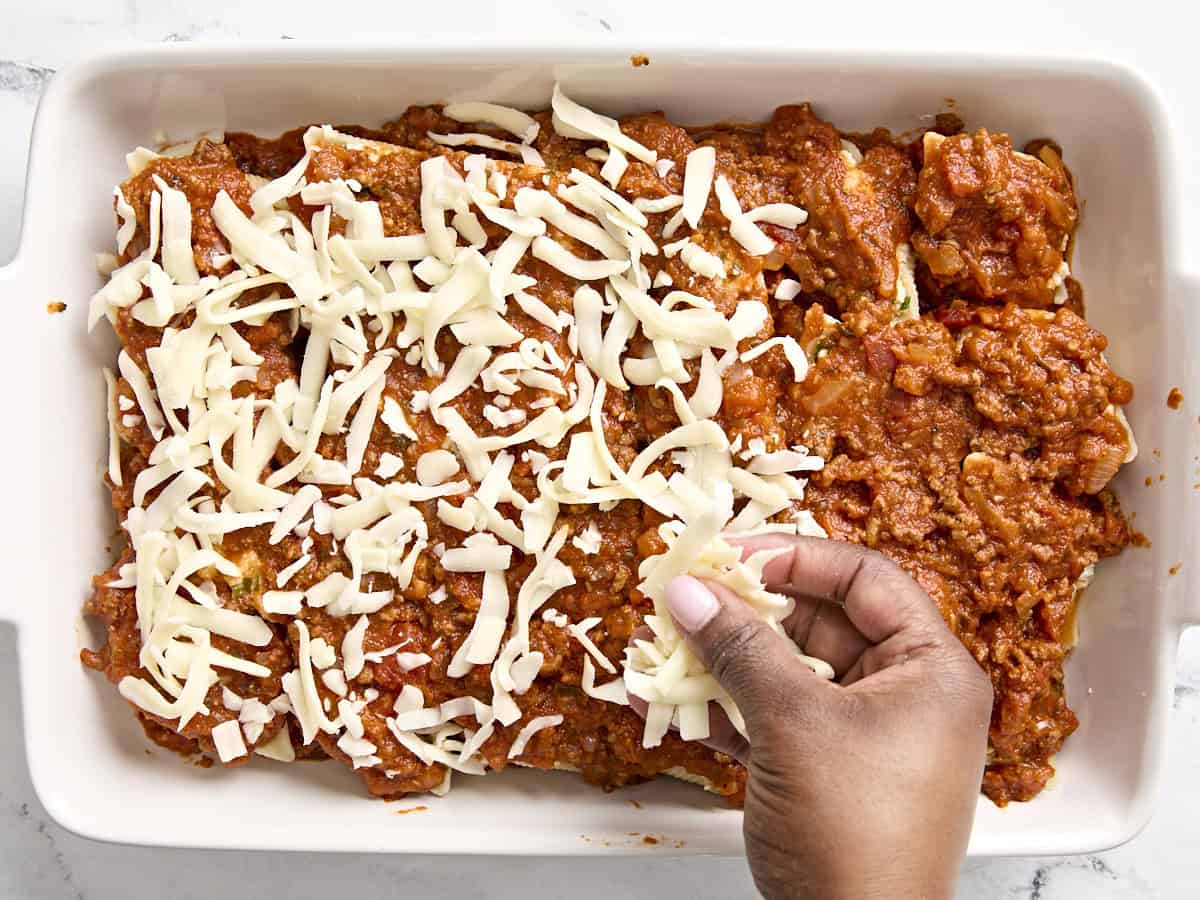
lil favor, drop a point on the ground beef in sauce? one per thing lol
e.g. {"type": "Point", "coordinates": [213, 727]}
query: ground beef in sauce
{"type": "Point", "coordinates": [972, 444]}
{"type": "Point", "coordinates": [995, 222]}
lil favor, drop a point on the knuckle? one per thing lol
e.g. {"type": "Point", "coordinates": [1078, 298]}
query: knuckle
{"type": "Point", "coordinates": [875, 568]}
{"type": "Point", "coordinates": [876, 574]}
{"type": "Point", "coordinates": [854, 712]}
{"type": "Point", "coordinates": [981, 686]}
{"type": "Point", "coordinates": [966, 683]}
{"type": "Point", "coordinates": [803, 699]}
{"type": "Point", "coordinates": [732, 651]}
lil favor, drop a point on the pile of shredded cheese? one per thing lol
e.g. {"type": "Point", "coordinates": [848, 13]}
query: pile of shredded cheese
{"type": "Point", "coordinates": [370, 301]}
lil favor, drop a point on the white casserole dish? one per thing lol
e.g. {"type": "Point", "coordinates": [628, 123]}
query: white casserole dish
{"type": "Point", "coordinates": [93, 769]}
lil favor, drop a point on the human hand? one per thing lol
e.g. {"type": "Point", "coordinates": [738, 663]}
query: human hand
{"type": "Point", "coordinates": [863, 787]}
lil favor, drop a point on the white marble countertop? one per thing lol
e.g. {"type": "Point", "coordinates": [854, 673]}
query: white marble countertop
{"type": "Point", "coordinates": [40, 859]}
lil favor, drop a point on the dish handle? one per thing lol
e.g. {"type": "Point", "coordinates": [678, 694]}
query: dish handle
{"type": "Point", "coordinates": [1185, 609]}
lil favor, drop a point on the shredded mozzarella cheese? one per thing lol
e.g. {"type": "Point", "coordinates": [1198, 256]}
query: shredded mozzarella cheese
{"type": "Point", "coordinates": [298, 459]}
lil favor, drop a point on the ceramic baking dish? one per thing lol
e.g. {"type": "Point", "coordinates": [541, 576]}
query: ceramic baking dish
{"type": "Point", "coordinates": [96, 773]}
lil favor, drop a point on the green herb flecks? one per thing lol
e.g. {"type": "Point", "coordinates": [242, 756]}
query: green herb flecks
{"type": "Point", "coordinates": [247, 587]}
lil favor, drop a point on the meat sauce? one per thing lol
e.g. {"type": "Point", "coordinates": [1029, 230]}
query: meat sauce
{"type": "Point", "coordinates": [971, 440]}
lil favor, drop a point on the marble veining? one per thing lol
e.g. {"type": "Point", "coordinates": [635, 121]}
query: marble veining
{"type": "Point", "coordinates": [40, 859]}
{"type": "Point", "coordinates": [23, 78]}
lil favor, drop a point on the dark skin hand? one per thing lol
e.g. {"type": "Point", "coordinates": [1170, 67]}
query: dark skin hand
{"type": "Point", "coordinates": [866, 786]}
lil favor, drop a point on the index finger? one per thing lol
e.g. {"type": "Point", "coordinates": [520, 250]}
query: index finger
{"type": "Point", "coordinates": [879, 598]}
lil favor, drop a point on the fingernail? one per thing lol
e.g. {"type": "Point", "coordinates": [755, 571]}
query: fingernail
{"type": "Point", "coordinates": [691, 604]}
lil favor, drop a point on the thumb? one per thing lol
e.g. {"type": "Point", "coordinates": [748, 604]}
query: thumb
{"type": "Point", "coordinates": [755, 665]}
